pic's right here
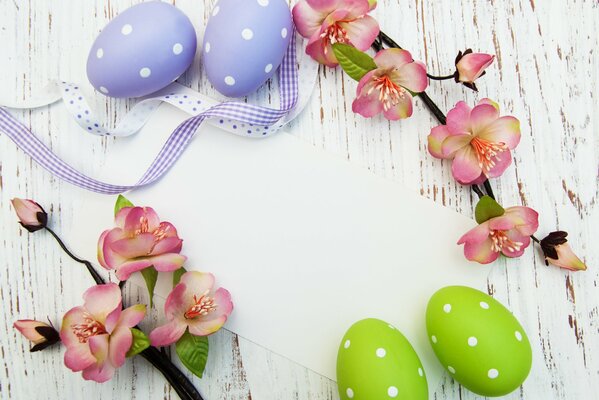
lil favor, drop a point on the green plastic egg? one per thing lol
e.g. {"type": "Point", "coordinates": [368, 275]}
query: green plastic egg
{"type": "Point", "coordinates": [478, 340]}
{"type": "Point", "coordinates": [376, 362]}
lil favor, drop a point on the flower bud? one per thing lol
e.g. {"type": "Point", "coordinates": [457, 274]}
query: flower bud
{"type": "Point", "coordinates": [31, 215]}
{"type": "Point", "coordinates": [471, 66]}
{"type": "Point", "coordinates": [39, 333]}
{"type": "Point", "coordinates": [557, 251]}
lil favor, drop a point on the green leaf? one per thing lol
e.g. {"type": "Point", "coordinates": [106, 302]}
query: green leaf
{"type": "Point", "coordinates": [193, 352]}
{"type": "Point", "coordinates": [354, 62]}
{"type": "Point", "coordinates": [487, 208]}
{"type": "Point", "coordinates": [140, 342]}
{"type": "Point", "coordinates": [121, 202]}
{"type": "Point", "coordinates": [150, 276]}
{"type": "Point", "coordinates": [177, 275]}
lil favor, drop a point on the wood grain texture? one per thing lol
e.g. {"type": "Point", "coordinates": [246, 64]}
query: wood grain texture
{"type": "Point", "coordinates": [546, 74]}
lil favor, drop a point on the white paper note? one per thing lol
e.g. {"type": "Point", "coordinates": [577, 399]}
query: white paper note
{"type": "Point", "coordinates": [306, 243]}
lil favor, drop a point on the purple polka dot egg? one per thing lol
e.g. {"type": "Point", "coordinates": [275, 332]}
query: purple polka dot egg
{"type": "Point", "coordinates": [142, 50]}
{"type": "Point", "coordinates": [244, 43]}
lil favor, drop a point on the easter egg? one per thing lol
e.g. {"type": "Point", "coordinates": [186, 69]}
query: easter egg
{"type": "Point", "coordinates": [478, 340]}
{"type": "Point", "coordinates": [376, 362]}
{"type": "Point", "coordinates": [142, 50]}
{"type": "Point", "coordinates": [244, 43]}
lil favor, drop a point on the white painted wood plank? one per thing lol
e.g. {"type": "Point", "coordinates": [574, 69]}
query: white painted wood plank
{"type": "Point", "coordinates": [546, 74]}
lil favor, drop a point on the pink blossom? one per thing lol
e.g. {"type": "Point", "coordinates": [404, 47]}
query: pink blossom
{"type": "Point", "coordinates": [39, 333]}
{"type": "Point", "coordinates": [471, 66]}
{"type": "Point", "coordinates": [508, 234]}
{"type": "Point", "coordinates": [558, 252]}
{"type": "Point", "coordinates": [193, 304]}
{"type": "Point", "coordinates": [31, 215]}
{"type": "Point", "coordinates": [389, 87]}
{"type": "Point", "coordinates": [98, 335]}
{"type": "Point", "coordinates": [477, 140]}
{"type": "Point", "coordinates": [326, 22]}
{"type": "Point", "coordinates": [139, 241]}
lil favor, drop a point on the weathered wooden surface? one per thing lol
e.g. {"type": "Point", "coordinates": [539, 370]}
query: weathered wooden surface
{"type": "Point", "coordinates": [546, 74]}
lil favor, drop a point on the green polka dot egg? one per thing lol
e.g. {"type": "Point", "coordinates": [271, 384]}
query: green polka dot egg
{"type": "Point", "coordinates": [376, 362]}
{"type": "Point", "coordinates": [478, 341]}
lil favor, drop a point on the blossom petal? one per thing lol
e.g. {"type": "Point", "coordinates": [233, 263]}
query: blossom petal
{"type": "Point", "coordinates": [502, 161]}
{"type": "Point", "coordinates": [167, 245]}
{"type": "Point", "coordinates": [307, 20]}
{"type": "Point", "coordinates": [361, 32]}
{"type": "Point", "coordinates": [120, 343]}
{"type": "Point", "coordinates": [465, 168]}
{"type": "Point", "coordinates": [482, 116]}
{"type": "Point", "coordinates": [222, 298]}
{"type": "Point", "coordinates": [168, 262]}
{"type": "Point", "coordinates": [525, 218]}
{"type": "Point", "coordinates": [167, 334]}
{"type": "Point", "coordinates": [178, 301]}
{"type": "Point", "coordinates": [367, 105]}
{"type": "Point", "coordinates": [112, 319]}
{"type": "Point", "coordinates": [136, 246]}
{"type": "Point", "coordinates": [101, 300]}
{"type": "Point", "coordinates": [133, 315]}
{"type": "Point", "coordinates": [325, 6]}
{"type": "Point", "coordinates": [107, 257]}
{"type": "Point", "coordinates": [481, 252]}
{"type": "Point", "coordinates": [453, 143]}
{"type": "Point", "coordinates": [516, 237]}
{"type": "Point", "coordinates": [205, 327]}
{"type": "Point", "coordinates": [102, 370]}
{"type": "Point", "coordinates": [413, 77]}
{"type": "Point", "coordinates": [197, 283]}
{"type": "Point", "coordinates": [477, 234]}
{"type": "Point", "coordinates": [121, 217]}
{"type": "Point", "coordinates": [458, 119]}
{"type": "Point", "coordinates": [503, 130]}
{"type": "Point", "coordinates": [392, 58]}
{"type": "Point", "coordinates": [124, 271]}
{"type": "Point", "coordinates": [321, 50]}
{"type": "Point", "coordinates": [78, 356]}
{"type": "Point", "coordinates": [435, 140]}
{"type": "Point", "coordinates": [403, 108]}
{"type": "Point", "coordinates": [135, 217]}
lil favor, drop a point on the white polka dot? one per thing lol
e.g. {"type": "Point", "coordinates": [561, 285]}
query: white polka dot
{"type": "Point", "coordinates": [145, 72]}
{"type": "Point", "coordinates": [451, 369]}
{"type": "Point", "coordinates": [420, 372]}
{"type": "Point", "coordinates": [103, 89]}
{"type": "Point", "coordinates": [126, 29]}
{"type": "Point", "coordinates": [392, 391]}
{"type": "Point", "coordinates": [284, 32]}
{"type": "Point", "coordinates": [207, 47]}
{"type": "Point", "coordinates": [484, 305]}
{"type": "Point", "coordinates": [229, 80]}
{"type": "Point", "coordinates": [493, 373]}
{"type": "Point", "coordinates": [380, 352]}
{"type": "Point", "coordinates": [447, 308]}
{"type": "Point", "coordinates": [472, 341]}
{"type": "Point", "coordinates": [263, 3]}
{"type": "Point", "coordinates": [100, 53]}
{"type": "Point", "coordinates": [518, 336]}
{"type": "Point", "coordinates": [177, 48]}
{"type": "Point", "coordinates": [268, 68]}
{"type": "Point", "coordinates": [346, 344]}
{"type": "Point", "coordinates": [247, 34]}
{"type": "Point", "coordinates": [215, 11]}
{"type": "Point", "coordinates": [350, 393]}
{"type": "Point", "coordinates": [434, 339]}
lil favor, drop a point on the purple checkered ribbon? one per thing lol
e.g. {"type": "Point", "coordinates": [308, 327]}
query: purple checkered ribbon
{"type": "Point", "coordinates": [177, 141]}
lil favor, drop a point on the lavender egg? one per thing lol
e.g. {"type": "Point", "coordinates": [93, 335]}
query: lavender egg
{"type": "Point", "coordinates": [244, 43]}
{"type": "Point", "coordinates": [142, 50]}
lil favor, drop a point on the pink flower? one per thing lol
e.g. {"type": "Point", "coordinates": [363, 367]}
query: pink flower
{"type": "Point", "coordinates": [326, 22]}
{"type": "Point", "coordinates": [195, 305]}
{"type": "Point", "coordinates": [557, 251]}
{"type": "Point", "coordinates": [31, 215]}
{"type": "Point", "coordinates": [98, 335]}
{"type": "Point", "coordinates": [39, 333]}
{"type": "Point", "coordinates": [478, 141]}
{"type": "Point", "coordinates": [387, 88]}
{"type": "Point", "coordinates": [508, 234]}
{"type": "Point", "coordinates": [471, 66]}
{"type": "Point", "coordinates": [139, 241]}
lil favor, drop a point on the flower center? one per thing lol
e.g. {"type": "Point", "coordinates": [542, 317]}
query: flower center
{"type": "Point", "coordinates": [487, 152]}
{"type": "Point", "coordinates": [161, 232]}
{"type": "Point", "coordinates": [202, 306]}
{"type": "Point", "coordinates": [502, 241]}
{"type": "Point", "coordinates": [390, 93]}
{"type": "Point", "coordinates": [88, 328]}
{"type": "Point", "coordinates": [334, 34]}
